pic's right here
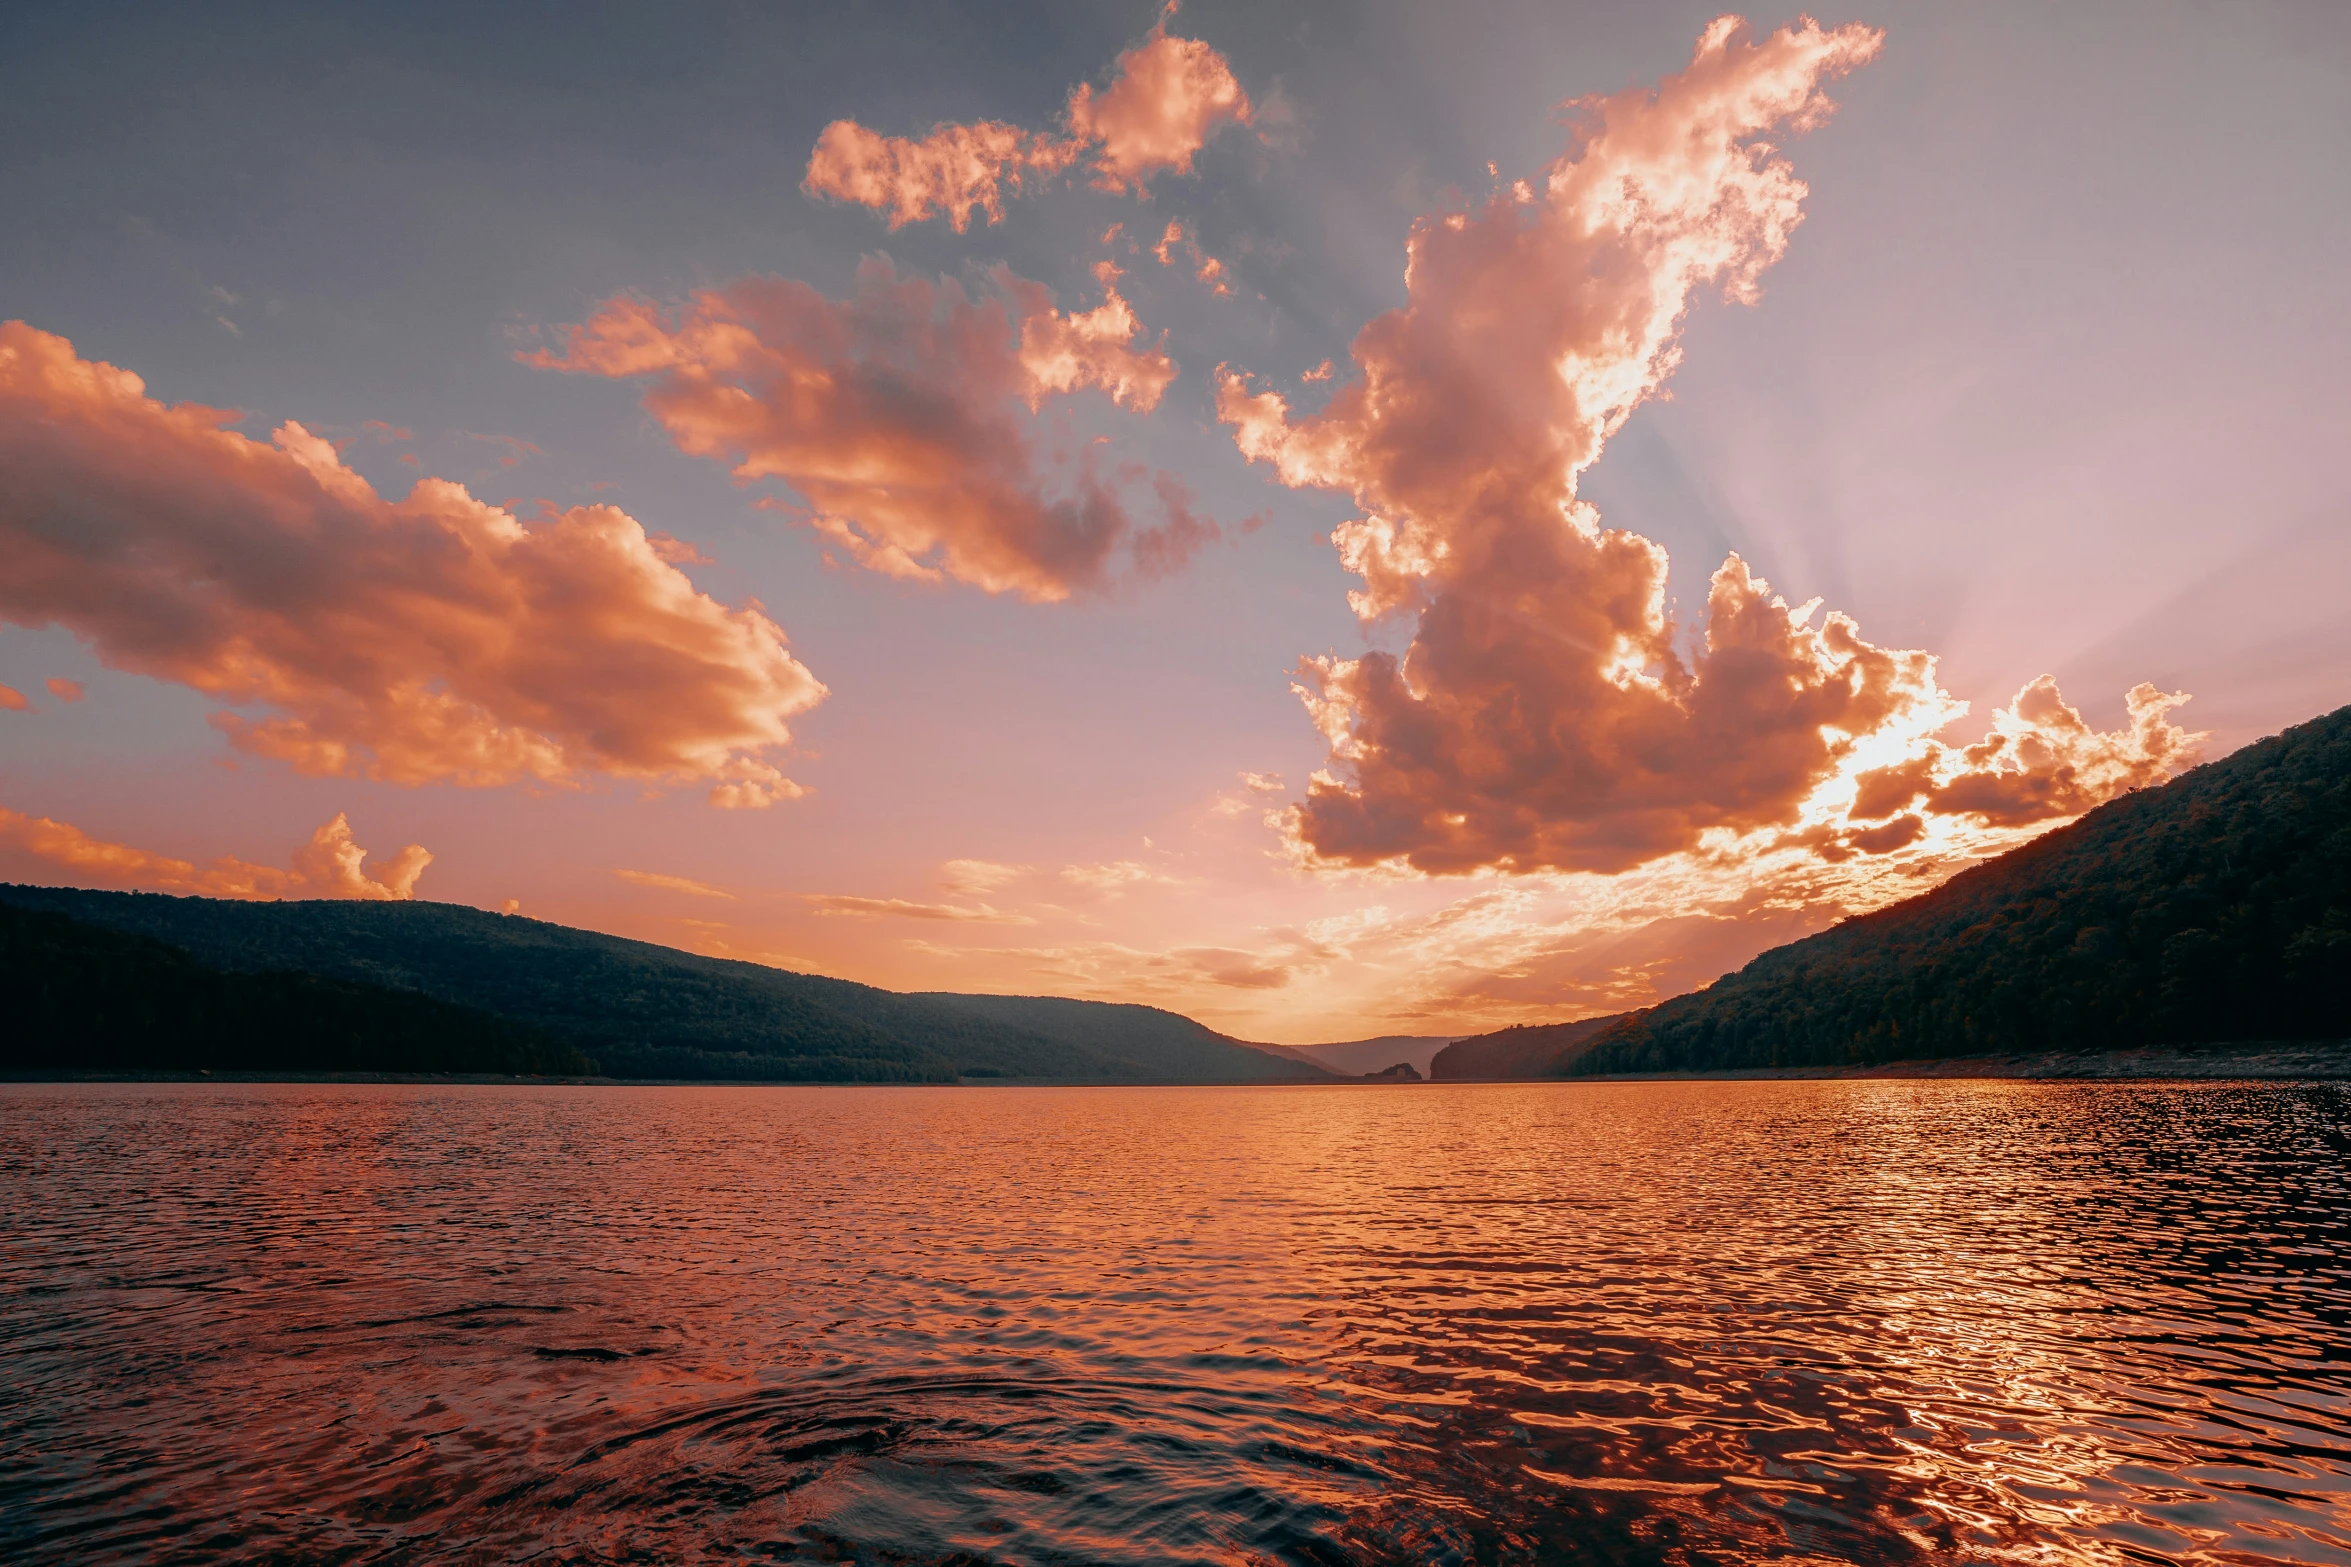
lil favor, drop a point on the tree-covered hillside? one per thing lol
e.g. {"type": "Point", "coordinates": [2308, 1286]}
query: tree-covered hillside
{"type": "Point", "coordinates": [85, 999]}
{"type": "Point", "coordinates": [1530, 1050]}
{"type": "Point", "coordinates": [649, 1011]}
{"type": "Point", "coordinates": [2214, 908]}
{"type": "Point", "coordinates": [1156, 1043]}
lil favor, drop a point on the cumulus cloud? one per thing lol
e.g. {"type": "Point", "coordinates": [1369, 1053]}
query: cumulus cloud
{"type": "Point", "coordinates": [906, 418]}
{"type": "Point", "coordinates": [432, 638]}
{"type": "Point", "coordinates": [2043, 760]}
{"type": "Point", "coordinates": [1168, 96]}
{"type": "Point", "coordinates": [330, 865]}
{"type": "Point", "coordinates": [1549, 714]}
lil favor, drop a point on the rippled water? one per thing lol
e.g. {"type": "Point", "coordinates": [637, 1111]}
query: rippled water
{"type": "Point", "coordinates": [1642, 1322]}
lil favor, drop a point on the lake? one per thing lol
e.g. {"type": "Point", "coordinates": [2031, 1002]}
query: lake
{"type": "Point", "coordinates": [1612, 1322]}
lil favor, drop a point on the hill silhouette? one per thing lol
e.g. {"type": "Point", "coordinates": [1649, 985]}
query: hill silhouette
{"type": "Point", "coordinates": [642, 1010]}
{"type": "Point", "coordinates": [1529, 1050]}
{"type": "Point", "coordinates": [2214, 908]}
{"type": "Point", "coordinates": [85, 999]}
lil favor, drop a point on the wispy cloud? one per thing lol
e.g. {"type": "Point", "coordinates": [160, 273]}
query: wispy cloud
{"type": "Point", "coordinates": [901, 908]}
{"type": "Point", "coordinates": [655, 879]}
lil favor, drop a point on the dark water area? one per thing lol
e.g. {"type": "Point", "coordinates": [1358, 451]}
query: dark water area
{"type": "Point", "coordinates": [1626, 1322]}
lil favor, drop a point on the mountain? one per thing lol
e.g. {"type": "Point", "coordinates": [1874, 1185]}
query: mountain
{"type": "Point", "coordinates": [83, 998]}
{"type": "Point", "coordinates": [647, 1011]}
{"type": "Point", "coordinates": [1356, 1057]}
{"type": "Point", "coordinates": [1529, 1050]}
{"type": "Point", "coordinates": [1155, 1043]}
{"type": "Point", "coordinates": [2214, 908]}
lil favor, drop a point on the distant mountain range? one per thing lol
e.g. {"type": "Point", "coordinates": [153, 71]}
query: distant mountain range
{"type": "Point", "coordinates": [206, 982]}
{"type": "Point", "coordinates": [2214, 908]}
{"type": "Point", "coordinates": [1362, 1057]}
{"type": "Point", "coordinates": [2217, 907]}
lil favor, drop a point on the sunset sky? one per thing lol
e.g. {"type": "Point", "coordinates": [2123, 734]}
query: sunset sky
{"type": "Point", "coordinates": [1264, 510]}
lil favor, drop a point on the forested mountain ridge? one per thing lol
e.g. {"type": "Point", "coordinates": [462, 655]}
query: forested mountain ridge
{"type": "Point", "coordinates": [86, 999]}
{"type": "Point", "coordinates": [1173, 1045]}
{"type": "Point", "coordinates": [2216, 907]}
{"type": "Point", "coordinates": [649, 1011]}
{"type": "Point", "coordinates": [1529, 1050]}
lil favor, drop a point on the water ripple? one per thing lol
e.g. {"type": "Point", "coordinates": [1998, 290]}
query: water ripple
{"type": "Point", "coordinates": [1685, 1323]}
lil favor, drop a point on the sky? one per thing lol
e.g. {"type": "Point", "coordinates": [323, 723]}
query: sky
{"type": "Point", "coordinates": [1337, 520]}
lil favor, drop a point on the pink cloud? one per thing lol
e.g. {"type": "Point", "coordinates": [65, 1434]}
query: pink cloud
{"type": "Point", "coordinates": [906, 418]}
{"type": "Point", "coordinates": [2041, 761]}
{"type": "Point", "coordinates": [841, 903]}
{"type": "Point", "coordinates": [1168, 97]}
{"type": "Point", "coordinates": [1549, 714]}
{"type": "Point", "coordinates": [422, 640]}
{"type": "Point", "coordinates": [1205, 267]}
{"type": "Point", "coordinates": [432, 638]}
{"type": "Point", "coordinates": [330, 865]}
{"type": "Point", "coordinates": [952, 172]}
{"type": "Point", "coordinates": [65, 690]}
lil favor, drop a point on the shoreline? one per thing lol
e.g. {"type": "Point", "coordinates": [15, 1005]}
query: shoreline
{"type": "Point", "coordinates": [2255, 1061]}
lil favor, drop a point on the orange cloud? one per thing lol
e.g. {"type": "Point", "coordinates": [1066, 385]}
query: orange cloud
{"type": "Point", "coordinates": [330, 865]}
{"type": "Point", "coordinates": [1168, 97]}
{"type": "Point", "coordinates": [906, 418]}
{"type": "Point", "coordinates": [1549, 715]}
{"type": "Point", "coordinates": [972, 878]}
{"type": "Point", "coordinates": [1116, 876]}
{"type": "Point", "coordinates": [65, 690]}
{"type": "Point", "coordinates": [839, 903]}
{"type": "Point", "coordinates": [672, 884]}
{"type": "Point", "coordinates": [1205, 267]}
{"type": "Point", "coordinates": [433, 638]}
{"type": "Point", "coordinates": [952, 172]}
{"type": "Point", "coordinates": [2042, 760]}
{"type": "Point", "coordinates": [13, 701]}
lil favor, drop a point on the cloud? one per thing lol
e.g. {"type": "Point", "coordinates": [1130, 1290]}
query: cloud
{"type": "Point", "coordinates": [1205, 267]}
{"type": "Point", "coordinates": [906, 418]}
{"type": "Point", "coordinates": [330, 865]}
{"type": "Point", "coordinates": [1116, 876]}
{"type": "Point", "coordinates": [65, 690]}
{"type": "Point", "coordinates": [1168, 97]}
{"type": "Point", "coordinates": [14, 701]}
{"type": "Point", "coordinates": [1549, 714]}
{"type": "Point", "coordinates": [2042, 760]}
{"type": "Point", "coordinates": [1116, 971]}
{"type": "Point", "coordinates": [900, 908]}
{"type": "Point", "coordinates": [952, 172]}
{"type": "Point", "coordinates": [974, 878]}
{"type": "Point", "coordinates": [512, 449]}
{"type": "Point", "coordinates": [673, 884]}
{"type": "Point", "coordinates": [432, 638]}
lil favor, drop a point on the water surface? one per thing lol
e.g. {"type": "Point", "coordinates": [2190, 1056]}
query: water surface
{"type": "Point", "coordinates": [1639, 1322]}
